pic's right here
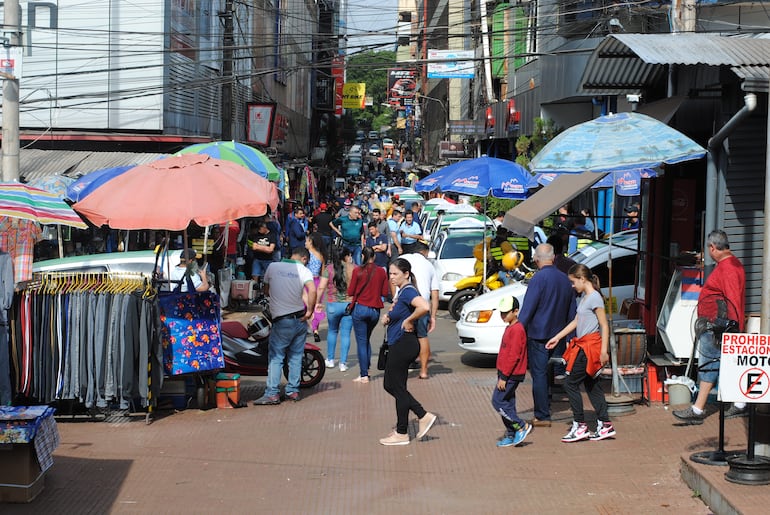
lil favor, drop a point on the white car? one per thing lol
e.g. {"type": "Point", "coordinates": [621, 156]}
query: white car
{"type": "Point", "coordinates": [480, 327]}
{"type": "Point", "coordinates": [452, 254]}
{"type": "Point", "coordinates": [138, 261]}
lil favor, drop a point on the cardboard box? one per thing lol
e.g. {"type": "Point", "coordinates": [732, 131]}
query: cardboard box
{"type": "Point", "coordinates": [21, 479]}
{"type": "Point", "coordinates": [228, 390]}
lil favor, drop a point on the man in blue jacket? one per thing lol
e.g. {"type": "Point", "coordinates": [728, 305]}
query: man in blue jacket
{"type": "Point", "coordinates": [548, 306]}
{"type": "Point", "coordinates": [296, 229]}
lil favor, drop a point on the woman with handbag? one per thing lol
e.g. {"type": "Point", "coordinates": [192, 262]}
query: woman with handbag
{"type": "Point", "coordinates": [408, 307]}
{"type": "Point", "coordinates": [339, 272]}
{"type": "Point", "coordinates": [368, 286]}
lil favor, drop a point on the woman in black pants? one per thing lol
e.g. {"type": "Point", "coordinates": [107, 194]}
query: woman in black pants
{"type": "Point", "coordinates": [408, 306]}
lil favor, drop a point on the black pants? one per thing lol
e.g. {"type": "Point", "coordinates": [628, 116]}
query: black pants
{"type": "Point", "coordinates": [593, 388]}
{"type": "Point", "coordinates": [400, 356]}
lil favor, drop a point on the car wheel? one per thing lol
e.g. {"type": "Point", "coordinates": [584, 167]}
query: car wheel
{"type": "Point", "coordinates": [458, 300]}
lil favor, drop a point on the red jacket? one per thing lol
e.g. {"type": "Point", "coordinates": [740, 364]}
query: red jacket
{"type": "Point", "coordinates": [367, 289]}
{"type": "Point", "coordinates": [592, 347]}
{"type": "Point", "coordinates": [512, 358]}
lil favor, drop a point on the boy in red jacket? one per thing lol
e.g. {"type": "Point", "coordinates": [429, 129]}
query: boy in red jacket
{"type": "Point", "coordinates": [511, 368]}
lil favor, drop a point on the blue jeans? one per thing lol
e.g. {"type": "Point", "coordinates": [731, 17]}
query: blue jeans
{"type": "Point", "coordinates": [364, 321]}
{"type": "Point", "coordinates": [258, 267]}
{"type": "Point", "coordinates": [538, 355]}
{"type": "Point", "coordinates": [709, 354]}
{"type": "Point", "coordinates": [355, 250]}
{"type": "Point", "coordinates": [286, 342]}
{"type": "Point", "coordinates": [338, 324]}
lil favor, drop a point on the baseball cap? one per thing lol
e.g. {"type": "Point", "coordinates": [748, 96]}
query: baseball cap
{"type": "Point", "coordinates": [323, 206]}
{"type": "Point", "coordinates": [633, 208]}
{"type": "Point", "coordinates": [189, 254]}
{"type": "Point", "coordinates": [348, 202]}
{"type": "Point", "coordinates": [508, 303]}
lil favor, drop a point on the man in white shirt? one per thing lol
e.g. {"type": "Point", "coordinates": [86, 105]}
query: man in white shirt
{"type": "Point", "coordinates": [197, 275]}
{"type": "Point", "coordinates": [427, 284]}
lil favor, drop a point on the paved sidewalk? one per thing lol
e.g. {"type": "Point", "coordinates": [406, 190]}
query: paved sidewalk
{"type": "Point", "coordinates": [321, 455]}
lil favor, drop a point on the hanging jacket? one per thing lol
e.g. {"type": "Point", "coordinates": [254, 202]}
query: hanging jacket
{"type": "Point", "coordinates": [592, 347]}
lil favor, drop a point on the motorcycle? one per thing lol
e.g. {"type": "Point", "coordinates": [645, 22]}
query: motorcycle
{"type": "Point", "coordinates": [245, 350]}
{"type": "Point", "coordinates": [469, 288]}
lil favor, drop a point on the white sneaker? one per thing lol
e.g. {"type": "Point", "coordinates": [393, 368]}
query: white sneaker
{"type": "Point", "coordinates": [578, 432]}
{"type": "Point", "coordinates": [343, 367]}
{"type": "Point", "coordinates": [329, 363]}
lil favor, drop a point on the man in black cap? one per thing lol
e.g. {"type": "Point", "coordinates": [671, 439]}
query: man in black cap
{"type": "Point", "coordinates": [188, 264]}
{"type": "Point", "coordinates": [632, 218]}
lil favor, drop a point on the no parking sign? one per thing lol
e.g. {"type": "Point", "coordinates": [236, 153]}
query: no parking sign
{"type": "Point", "coordinates": [744, 373]}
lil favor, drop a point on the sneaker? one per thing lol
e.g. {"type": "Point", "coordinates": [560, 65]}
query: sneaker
{"type": "Point", "coordinates": [734, 412]}
{"type": "Point", "coordinates": [578, 432]}
{"type": "Point", "coordinates": [522, 433]}
{"type": "Point", "coordinates": [395, 438]}
{"type": "Point", "coordinates": [343, 367]}
{"type": "Point", "coordinates": [603, 430]}
{"type": "Point", "coordinates": [293, 396]}
{"type": "Point", "coordinates": [361, 379]}
{"type": "Point", "coordinates": [689, 416]}
{"type": "Point", "coordinates": [506, 441]}
{"type": "Point", "coordinates": [329, 363]}
{"type": "Point", "coordinates": [425, 423]}
{"type": "Point", "coordinates": [557, 361]}
{"type": "Point", "coordinates": [267, 400]}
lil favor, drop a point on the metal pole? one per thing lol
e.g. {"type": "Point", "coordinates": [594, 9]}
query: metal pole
{"type": "Point", "coordinates": [764, 314]}
{"type": "Point", "coordinates": [227, 71]}
{"type": "Point", "coordinates": [10, 161]}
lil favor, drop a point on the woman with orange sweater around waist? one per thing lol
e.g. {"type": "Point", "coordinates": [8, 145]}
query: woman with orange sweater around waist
{"type": "Point", "coordinates": [585, 356]}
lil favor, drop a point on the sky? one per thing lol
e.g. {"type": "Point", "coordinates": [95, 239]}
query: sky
{"type": "Point", "coordinates": [377, 16]}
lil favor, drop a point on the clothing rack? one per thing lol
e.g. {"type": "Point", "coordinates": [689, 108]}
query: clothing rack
{"type": "Point", "coordinates": [87, 337]}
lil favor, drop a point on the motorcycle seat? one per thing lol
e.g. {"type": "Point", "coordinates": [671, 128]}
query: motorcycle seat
{"type": "Point", "coordinates": [234, 329]}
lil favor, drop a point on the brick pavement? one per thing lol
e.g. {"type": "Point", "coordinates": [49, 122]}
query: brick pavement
{"type": "Point", "coordinates": [321, 455]}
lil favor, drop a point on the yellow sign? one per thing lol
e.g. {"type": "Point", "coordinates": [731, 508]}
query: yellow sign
{"type": "Point", "coordinates": [353, 95]}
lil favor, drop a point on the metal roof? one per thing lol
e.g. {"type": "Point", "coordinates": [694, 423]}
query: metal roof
{"type": "Point", "coordinates": [627, 63]}
{"type": "Point", "coordinates": [36, 163]}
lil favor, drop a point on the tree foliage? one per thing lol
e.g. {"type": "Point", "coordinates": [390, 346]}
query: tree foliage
{"type": "Point", "coordinates": [371, 68]}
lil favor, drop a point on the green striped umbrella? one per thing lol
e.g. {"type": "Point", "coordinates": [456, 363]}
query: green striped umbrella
{"type": "Point", "coordinates": [22, 201]}
{"type": "Point", "coordinates": [238, 153]}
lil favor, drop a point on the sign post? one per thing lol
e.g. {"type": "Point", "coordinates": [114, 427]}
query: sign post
{"type": "Point", "coordinates": [744, 376]}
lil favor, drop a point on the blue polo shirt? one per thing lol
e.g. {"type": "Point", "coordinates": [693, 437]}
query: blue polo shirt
{"type": "Point", "coordinates": [549, 304]}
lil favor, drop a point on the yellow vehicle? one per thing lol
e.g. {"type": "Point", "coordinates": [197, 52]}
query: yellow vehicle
{"type": "Point", "coordinates": [503, 272]}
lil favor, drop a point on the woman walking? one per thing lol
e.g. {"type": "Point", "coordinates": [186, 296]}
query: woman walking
{"type": "Point", "coordinates": [317, 265]}
{"type": "Point", "coordinates": [401, 320]}
{"type": "Point", "coordinates": [368, 286]}
{"type": "Point", "coordinates": [339, 271]}
{"type": "Point", "coordinates": [585, 356]}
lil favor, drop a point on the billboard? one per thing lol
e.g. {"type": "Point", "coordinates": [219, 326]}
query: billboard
{"type": "Point", "coordinates": [402, 87]}
{"type": "Point", "coordinates": [259, 126]}
{"type": "Point", "coordinates": [450, 64]}
{"type": "Point", "coordinates": [353, 95]}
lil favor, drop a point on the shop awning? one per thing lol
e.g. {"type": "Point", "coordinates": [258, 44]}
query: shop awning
{"type": "Point", "coordinates": [523, 218]}
{"type": "Point", "coordinates": [629, 63]}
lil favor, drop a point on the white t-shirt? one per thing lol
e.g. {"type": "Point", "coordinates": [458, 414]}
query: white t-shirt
{"type": "Point", "coordinates": [424, 274]}
{"type": "Point", "coordinates": [177, 274]}
{"type": "Point", "coordinates": [287, 279]}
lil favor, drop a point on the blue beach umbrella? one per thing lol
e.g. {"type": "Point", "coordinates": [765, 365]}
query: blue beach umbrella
{"type": "Point", "coordinates": [627, 183]}
{"type": "Point", "coordinates": [82, 187]}
{"type": "Point", "coordinates": [481, 177]}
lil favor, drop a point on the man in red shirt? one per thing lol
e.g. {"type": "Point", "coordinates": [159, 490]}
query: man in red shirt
{"type": "Point", "coordinates": [725, 285]}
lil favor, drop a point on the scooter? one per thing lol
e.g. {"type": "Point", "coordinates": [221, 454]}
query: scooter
{"type": "Point", "coordinates": [245, 351]}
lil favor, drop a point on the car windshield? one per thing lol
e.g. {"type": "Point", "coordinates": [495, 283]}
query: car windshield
{"type": "Point", "coordinates": [461, 246]}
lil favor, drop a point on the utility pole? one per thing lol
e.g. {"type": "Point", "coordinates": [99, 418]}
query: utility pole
{"type": "Point", "coordinates": [227, 71]}
{"type": "Point", "coordinates": [11, 39]}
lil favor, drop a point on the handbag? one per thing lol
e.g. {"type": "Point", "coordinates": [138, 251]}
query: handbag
{"type": "Point", "coordinates": [351, 305]}
{"type": "Point", "coordinates": [382, 357]}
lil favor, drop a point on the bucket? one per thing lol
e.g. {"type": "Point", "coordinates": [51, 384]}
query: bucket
{"type": "Point", "coordinates": [679, 394]}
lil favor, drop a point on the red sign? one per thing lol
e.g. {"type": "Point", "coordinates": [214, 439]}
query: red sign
{"type": "Point", "coordinates": [338, 73]}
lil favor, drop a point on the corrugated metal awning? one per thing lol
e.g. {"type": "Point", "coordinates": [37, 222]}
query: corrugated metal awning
{"type": "Point", "coordinates": [36, 163]}
{"type": "Point", "coordinates": [628, 63]}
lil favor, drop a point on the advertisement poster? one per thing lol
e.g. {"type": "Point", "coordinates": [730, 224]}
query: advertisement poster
{"type": "Point", "coordinates": [402, 87]}
{"type": "Point", "coordinates": [353, 95]}
{"type": "Point", "coordinates": [260, 123]}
